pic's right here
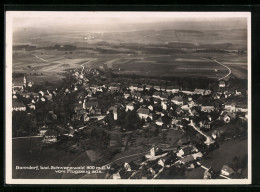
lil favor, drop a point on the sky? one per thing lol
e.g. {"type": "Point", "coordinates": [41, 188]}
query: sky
{"type": "Point", "coordinates": [125, 21]}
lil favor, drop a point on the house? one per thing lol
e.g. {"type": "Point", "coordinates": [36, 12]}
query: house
{"type": "Point", "coordinates": [146, 97]}
{"type": "Point", "coordinates": [35, 95]}
{"type": "Point", "coordinates": [178, 110]}
{"type": "Point", "coordinates": [42, 93]}
{"type": "Point", "coordinates": [86, 117]}
{"type": "Point", "coordinates": [164, 105]}
{"type": "Point", "coordinates": [187, 159]}
{"type": "Point", "coordinates": [31, 106]}
{"type": "Point", "coordinates": [150, 107]}
{"type": "Point", "coordinates": [50, 136]}
{"type": "Point", "coordinates": [240, 107]}
{"type": "Point", "coordinates": [143, 113]}
{"type": "Point", "coordinates": [18, 106]}
{"type": "Point", "coordinates": [155, 153]}
{"type": "Point", "coordinates": [156, 100]}
{"type": "Point", "coordinates": [130, 106]}
{"type": "Point", "coordinates": [199, 91]}
{"type": "Point", "coordinates": [116, 176]}
{"type": "Point", "coordinates": [148, 87]}
{"type": "Point", "coordinates": [159, 122]}
{"type": "Point", "coordinates": [164, 97]}
{"type": "Point", "coordinates": [159, 113]}
{"type": "Point", "coordinates": [207, 108]}
{"type": "Point", "coordinates": [100, 88]}
{"type": "Point", "coordinates": [89, 93]}
{"type": "Point", "coordinates": [185, 107]}
{"type": "Point", "coordinates": [216, 96]}
{"type": "Point", "coordinates": [127, 167]}
{"type": "Point", "coordinates": [18, 84]}
{"type": "Point", "coordinates": [205, 124]}
{"type": "Point", "coordinates": [138, 96]}
{"type": "Point", "coordinates": [113, 109]}
{"type": "Point", "coordinates": [237, 92]}
{"type": "Point", "coordinates": [140, 88]}
{"type": "Point", "coordinates": [158, 88]}
{"type": "Point", "coordinates": [127, 94]}
{"type": "Point", "coordinates": [197, 155]}
{"type": "Point", "coordinates": [157, 94]}
{"type": "Point", "coordinates": [191, 103]}
{"type": "Point", "coordinates": [133, 88]}
{"type": "Point", "coordinates": [187, 150]}
{"type": "Point", "coordinates": [187, 91]}
{"type": "Point", "coordinates": [226, 118]}
{"type": "Point", "coordinates": [230, 106]}
{"type": "Point", "coordinates": [227, 171]}
{"type": "Point", "coordinates": [48, 97]}
{"type": "Point", "coordinates": [207, 92]}
{"type": "Point", "coordinates": [43, 130]}
{"type": "Point", "coordinates": [98, 111]}
{"type": "Point", "coordinates": [94, 88]}
{"type": "Point", "coordinates": [172, 89]}
{"type": "Point", "coordinates": [92, 102]}
{"type": "Point", "coordinates": [146, 125]}
{"type": "Point", "coordinates": [114, 88]}
{"type": "Point", "coordinates": [194, 112]}
{"type": "Point", "coordinates": [222, 84]}
{"type": "Point", "coordinates": [178, 100]}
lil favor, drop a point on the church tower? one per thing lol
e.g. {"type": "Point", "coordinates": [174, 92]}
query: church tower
{"type": "Point", "coordinates": [24, 81]}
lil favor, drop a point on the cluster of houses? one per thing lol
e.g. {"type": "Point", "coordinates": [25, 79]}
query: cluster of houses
{"type": "Point", "coordinates": [164, 106]}
{"type": "Point", "coordinates": [158, 161]}
{"type": "Point", "coordinates": [20, 89]}
{"type": "Point", "coordinates": [32, 99]}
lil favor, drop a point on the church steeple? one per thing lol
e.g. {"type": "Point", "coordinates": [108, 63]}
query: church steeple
{"type": "Point", "coordinates": [24, 81]}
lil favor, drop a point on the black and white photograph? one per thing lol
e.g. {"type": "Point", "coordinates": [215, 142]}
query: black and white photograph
{"type": "Point", "coordinates": [102, 97]}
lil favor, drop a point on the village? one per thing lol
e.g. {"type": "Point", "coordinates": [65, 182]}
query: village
{"type": "Point", "coordinates": [165, 128]}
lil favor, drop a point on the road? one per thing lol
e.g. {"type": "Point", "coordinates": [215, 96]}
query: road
{"type": "Point", "coordinates": [82, 68]}
{"type": "Point", "coordinates": [25, 137]}
{"type": "Point", "coordinates": [209, 140]}
{"type": "Point", "coordinates": [41, 59]}
{"type": "Point", "coordinates": [229, 70]}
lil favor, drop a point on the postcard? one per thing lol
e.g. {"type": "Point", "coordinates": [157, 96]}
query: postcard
{"type": "Point", "coordinates": [100, 97]}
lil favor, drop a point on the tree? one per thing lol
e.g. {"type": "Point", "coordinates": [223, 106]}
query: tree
{"type": "Point", "coordinates": [235, 164]}
{"type": "Point", "coordinates": [131, 121]}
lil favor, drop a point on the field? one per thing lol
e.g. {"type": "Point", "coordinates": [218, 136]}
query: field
{"type": "Point", "coordinates": [50, 63]}
{"type": "Point", "coordinates": [199, 38]}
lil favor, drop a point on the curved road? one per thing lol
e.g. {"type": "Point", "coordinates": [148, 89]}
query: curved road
{"type": "Point", "coordinates": [82, 68]}
{"type": "Point", "coordinates": [229, 70]}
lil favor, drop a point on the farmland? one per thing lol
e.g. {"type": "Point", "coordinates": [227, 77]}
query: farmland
{"type": "Point", "coordinates": [51, 63]}
{"type": "Point", "coordinates": [162, 52]}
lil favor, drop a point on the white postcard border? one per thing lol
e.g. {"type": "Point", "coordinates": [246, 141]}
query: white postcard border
{"type": "Point", "coordinates": [8, 98]}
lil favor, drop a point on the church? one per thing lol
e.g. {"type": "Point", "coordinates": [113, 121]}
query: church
{"type": "Point", "coordinates": [20, 84]}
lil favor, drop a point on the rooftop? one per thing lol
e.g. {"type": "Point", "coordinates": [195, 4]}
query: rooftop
{"type": "Point", "coordinates": [17, 104]}
{"type": "Point", "coordinates": [143, 111]}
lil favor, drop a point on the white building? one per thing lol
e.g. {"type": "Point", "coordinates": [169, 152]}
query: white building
{"type": "Point", "coordinates": [130, 107]}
